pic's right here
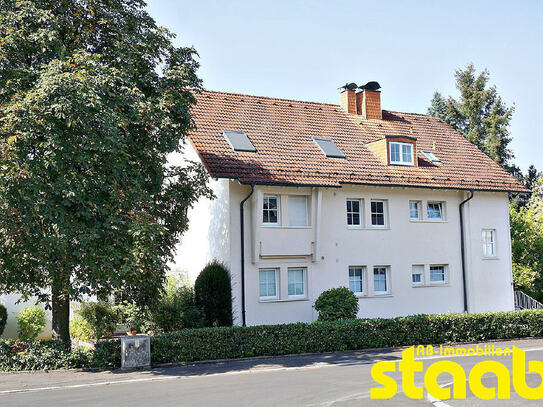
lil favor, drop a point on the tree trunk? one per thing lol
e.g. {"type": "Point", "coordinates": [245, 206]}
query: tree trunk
{"type": "Point", "coordinates": [60, 302]}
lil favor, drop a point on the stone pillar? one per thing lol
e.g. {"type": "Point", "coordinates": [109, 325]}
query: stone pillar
{"type": "Point", "coordinates": [135, 351]}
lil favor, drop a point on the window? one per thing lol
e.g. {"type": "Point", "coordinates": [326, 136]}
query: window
{"type": "Point", "coordinates": [489, 242]}
{"type": "Point", "coordinates": [238, 140]}
{"type": "Point", "coordinates": [378, 213]}
{"type": "Point", "coordinates": [435, 210]}
{"type": "Point", "coordinates": [356, 279]}
{"type": "Point", "coordinates": [296, 282]}
{"type": "Point", "coordinates": [270, 215]}
{"type": "Point", "coordinates": [328, 147]}
{"type": "Point", "coordinates": [268, 282]}
{"type": "Point", "coordinates": [429, 155]}
{"type": "Point", "coordinates": [437, 274]}
{"type": "Point", "coordinates": [380, 280]}
{"type": "Point", "coordinates": [354, 212]}
{"type": "Point", "coordinates": [297, 210]}
{"type": "Point", "coordinates": [401, 153]}
{"type": "Point", "coordinates": [414, 210]}
{"type": "Point", "coordinates": [417, 274]}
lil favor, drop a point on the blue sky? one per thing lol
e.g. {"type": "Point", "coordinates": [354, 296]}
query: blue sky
{"type": "Point", "coordinates": [305, 50]}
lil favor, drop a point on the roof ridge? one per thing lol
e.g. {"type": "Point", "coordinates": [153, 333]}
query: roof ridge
{"type": "Point", "coordinates": [305, 101]}
{"type": "Point", "coordinates": [269, 98]}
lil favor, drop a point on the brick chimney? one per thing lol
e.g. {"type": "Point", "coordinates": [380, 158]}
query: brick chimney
{"type": "Point", "coordinates": [368, 104]}
{"type": "Point", "coordinates": [348, 100]}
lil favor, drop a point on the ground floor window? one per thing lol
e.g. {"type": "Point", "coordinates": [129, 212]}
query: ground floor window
{"type": "Point", "coordinates": [268, 281]}
{"type": "Point", "coordinates": [417, 275]}
{"type": "Point", "coordinates": [356, 279]}
{"type": "Point", "coordinates": [437, 274]}
{"type": "Point", "coordinates": [297, 282]}
{"type": "Point", "coordinates": [380, 280]}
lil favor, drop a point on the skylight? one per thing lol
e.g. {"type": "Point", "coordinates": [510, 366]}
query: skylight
{"type": "Point", "coordinates": [238, 140]}
{"type": "Point", "coordinates": [328, 147]}
{"type": "Point", "coordinates": [429, 155]}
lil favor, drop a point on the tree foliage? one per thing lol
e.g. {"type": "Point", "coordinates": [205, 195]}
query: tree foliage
{"type": "Point", "coordinates": [527, 244]}
{"type": "Point", "coordinates": [479, 114]}
{"type": "Point", "coordinates": [93, 98]}
{"type": "Point", "coordinates": [213, 294]}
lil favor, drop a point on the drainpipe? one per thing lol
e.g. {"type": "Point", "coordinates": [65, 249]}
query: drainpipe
{"type": "Point", "coordinates": [242, 228]}
{"type": "Point", "coordinates": [462, 249]}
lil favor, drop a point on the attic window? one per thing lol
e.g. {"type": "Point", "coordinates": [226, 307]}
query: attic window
{"type": "Point", "coordinates": [238, 140]}
{"type": "Point", "coordinates": [328, 147]}
{"type": "Point", "coordinates": [429, 155]}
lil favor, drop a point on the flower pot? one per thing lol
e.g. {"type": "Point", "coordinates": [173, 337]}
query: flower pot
{"type": "Point", "coordinates": [132, 333]}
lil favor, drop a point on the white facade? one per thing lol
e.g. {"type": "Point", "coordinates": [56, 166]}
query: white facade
{"type": "Point", "coordinates": [327, 247]}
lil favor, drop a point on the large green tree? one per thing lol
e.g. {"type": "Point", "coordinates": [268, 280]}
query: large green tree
{"type": "Point", "coordinates": [479, 114]}
{"type": "Point", "coordinates": [94, 96]}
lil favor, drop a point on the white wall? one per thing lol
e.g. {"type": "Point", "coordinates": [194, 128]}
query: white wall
{"type": "Point", "coordinates": [402, 245]}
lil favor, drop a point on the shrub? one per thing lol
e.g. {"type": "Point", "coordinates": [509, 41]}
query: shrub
{"type": "Point", "coordinates": [94, 321]}
{"type": "Point", "coordinates": [3, 318]}
{"type": "Point", "coordinates": [31, 322]}
{"type": "Point", "coordinates": [176, 310]}
{"type": "Point", "coordinates": [336, 303]}
{"type": "Point", "coordinates": [132, 316]}
{"type": "Point", "coordinates": [213, 293]}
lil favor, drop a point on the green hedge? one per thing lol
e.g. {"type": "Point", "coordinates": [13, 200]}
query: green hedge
{"type": "Point", "coordinates": [236, 342]}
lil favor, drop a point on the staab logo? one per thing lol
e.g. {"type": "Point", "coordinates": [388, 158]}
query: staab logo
{"type": "Point", "coordinates": [408, 367]}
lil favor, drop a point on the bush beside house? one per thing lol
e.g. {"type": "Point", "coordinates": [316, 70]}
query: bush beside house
{"type": "Point", "coordinates": [213, 294]}
{"type": "Point", "coordinates": [336, 303]}
{"type": "Point", "coordinates": [321, 336]}
{"type": "Point", "coordinates": [3, 318]}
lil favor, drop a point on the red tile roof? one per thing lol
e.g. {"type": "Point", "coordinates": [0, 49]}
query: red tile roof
{"type": "Point", "coordinates": [282, 132]}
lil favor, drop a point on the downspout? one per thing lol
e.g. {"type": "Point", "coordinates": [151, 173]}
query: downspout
{"type": "Point", "coordinates": [242, 227]}
{"type": "Point", "coordinates": [462, 249]}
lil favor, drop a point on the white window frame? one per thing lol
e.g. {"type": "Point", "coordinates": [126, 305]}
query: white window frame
{"type": "Point", "coordinates": [385, 214]}
{"type": "Point", "coordinates": [489, 243]}
{"type": "Point", "coordinates": [442, 211]}
{"type": "Point", "coordinates": [387, 280]}
{"type": "Point", "coordinates": [401, 146]}
{"type": "Point", "coordinates": [278, 198]}
{"type": "Point", "coordinates": [304, 280]}
{"type": "Point", "coordinates": [362, 279]}
{"type": "Point", "coordinates": [445, 274]}
{"type": "Point", "coordinates": [306, 197]}
{"type": "Point", "coordinates": [277, 272]}
{"type": "Point", "coordinates": [419, 210]}
{"type": "Point", "coordinates": [360, 213]}
{"type": "Point", "coordinates": [421, 282]}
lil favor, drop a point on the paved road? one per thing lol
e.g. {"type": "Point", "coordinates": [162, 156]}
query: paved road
{"type": "Point", "coordinates": [336, 379]}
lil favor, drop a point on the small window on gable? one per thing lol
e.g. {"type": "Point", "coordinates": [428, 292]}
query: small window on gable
{"type": "Point", "coordinates": [328, 147]}
{"type": "Point", "coordinates": [429, 155]}
{"type": "Point", "coordinates": [401, 153]}
{"type": "Point", "coordinates": [239, 141]}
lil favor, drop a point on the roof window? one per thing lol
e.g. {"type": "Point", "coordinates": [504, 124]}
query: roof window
{"type": "Point", "coordinates": [328, 147]}
{"type": "Point", "coordinates": [238, 140]}
{"type": "Point", "coordinates": [429, 155]}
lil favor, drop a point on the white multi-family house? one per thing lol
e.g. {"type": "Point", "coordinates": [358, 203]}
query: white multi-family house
{"type": "Point", "coordinates": [399, 207]}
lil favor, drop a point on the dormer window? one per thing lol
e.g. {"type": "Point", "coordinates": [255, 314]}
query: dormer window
{"type": "Point", "coordinates": [401, 153]}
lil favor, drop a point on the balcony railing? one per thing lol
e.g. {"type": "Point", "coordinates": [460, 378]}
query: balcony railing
{"type": "Point", "coordinates": [524, 301]}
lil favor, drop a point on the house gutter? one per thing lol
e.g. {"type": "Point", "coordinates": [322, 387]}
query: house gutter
{"type": "Point", "coordinates": [462, 248]}
{"type": "Point", "coordinates": [242, 228]}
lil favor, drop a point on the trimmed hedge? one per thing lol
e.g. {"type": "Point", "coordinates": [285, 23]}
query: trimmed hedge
{"type": "Point", "coordinates": [236, 342]}
{"type": "Point", "coordinates": [3, 318]}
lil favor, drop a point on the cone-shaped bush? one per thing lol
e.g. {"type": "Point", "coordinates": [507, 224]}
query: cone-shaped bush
{"type": "Point", "coordinates": [3, 318]}
{"type": "Point", "coordinates": [213, 294]}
